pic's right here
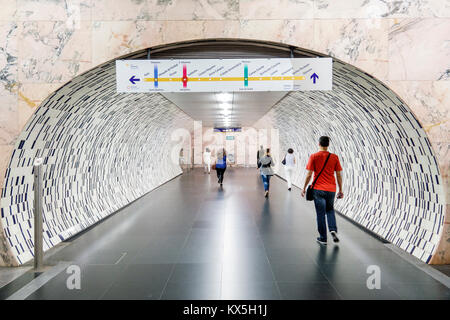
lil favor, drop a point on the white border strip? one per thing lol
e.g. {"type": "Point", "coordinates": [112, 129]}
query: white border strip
{"type": "Point", "coordinates": [37, 283]}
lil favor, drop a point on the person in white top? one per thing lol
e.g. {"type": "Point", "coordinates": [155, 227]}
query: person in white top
{"type": "Point", "coordinates": [289, 167]}
{"type": "Point", "coordinates": [207, 160]}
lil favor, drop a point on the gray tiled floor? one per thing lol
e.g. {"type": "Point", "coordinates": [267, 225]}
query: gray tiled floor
{"type": "Point", "coordinates": [190, 239]}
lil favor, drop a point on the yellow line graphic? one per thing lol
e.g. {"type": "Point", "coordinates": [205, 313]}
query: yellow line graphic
{"type": "Point", "coordinates": [224, 79]}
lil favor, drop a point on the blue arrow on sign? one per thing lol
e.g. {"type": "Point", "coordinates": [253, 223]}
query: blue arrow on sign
{"type": "Point", "coordinates": [314, 76]}
{"type": "Point", "coordinates": [133, 80]}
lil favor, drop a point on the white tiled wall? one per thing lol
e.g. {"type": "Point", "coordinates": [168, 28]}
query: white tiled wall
{"type": "Point", "coordinates": [102, 150]}
{"type": "Point", "coordinates": [392, 183]}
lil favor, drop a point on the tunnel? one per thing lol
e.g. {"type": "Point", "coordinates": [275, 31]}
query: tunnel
{"type": "Point", "coordinates": [103, 150]}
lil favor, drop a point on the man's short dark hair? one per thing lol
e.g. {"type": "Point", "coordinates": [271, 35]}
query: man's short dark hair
{"type": "Point", "coordinates": [324, 141]}
{"type": "Point", "coordinates": [290, 150]}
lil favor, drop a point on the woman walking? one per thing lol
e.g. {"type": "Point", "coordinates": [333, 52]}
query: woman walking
{"type": "Point", "coordinates": [265, 163]}
{"type": "Point", "coordinates": [289, 166]}
{"type": "Point", "coordinates": [221, 165]}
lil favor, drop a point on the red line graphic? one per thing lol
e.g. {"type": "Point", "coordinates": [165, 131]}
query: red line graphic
{"type": "Point", "coordinates": [185, 78]}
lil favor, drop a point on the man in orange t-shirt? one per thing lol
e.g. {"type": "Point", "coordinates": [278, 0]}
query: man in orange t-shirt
{"type": "Point", "coordinates": [324, 189]}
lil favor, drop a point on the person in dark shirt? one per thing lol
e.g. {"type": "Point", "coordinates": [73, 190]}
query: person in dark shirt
{"type": "Point", "coordinates": [221, 165]}
{"type": "Point", "coordinates": [324, 190]}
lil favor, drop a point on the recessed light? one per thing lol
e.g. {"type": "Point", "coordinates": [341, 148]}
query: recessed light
{"type": "Point", "coordinates": [224, 97]}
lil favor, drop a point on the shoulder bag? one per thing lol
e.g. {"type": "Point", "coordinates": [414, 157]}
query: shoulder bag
{"type": "Point", "coordinates": [310, 189]}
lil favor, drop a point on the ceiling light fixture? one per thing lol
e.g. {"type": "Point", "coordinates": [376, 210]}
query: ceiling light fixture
{"type": "Point", "coordinates": [224, 97]}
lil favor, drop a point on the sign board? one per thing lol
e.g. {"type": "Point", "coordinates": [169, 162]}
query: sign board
{"type": "Point", "coordinates": [227, 129]}
{"type": "Point", "coordinates": [224, 75]}
{"type": "Point", "coordinates": [230, 137]}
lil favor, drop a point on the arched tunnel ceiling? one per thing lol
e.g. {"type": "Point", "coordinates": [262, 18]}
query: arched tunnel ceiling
{"type": "Point", "coordinates": [245, 107]}
{"type": "Point", "coordinates": [103, 150]}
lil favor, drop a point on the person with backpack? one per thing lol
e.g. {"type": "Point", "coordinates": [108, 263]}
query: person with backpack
{"type": "Point", "coordinates": [264, 164]}
{"type": "Point", "coordinates": [323, 189]}
{"type": "Point", "coordinates": [289, 166]}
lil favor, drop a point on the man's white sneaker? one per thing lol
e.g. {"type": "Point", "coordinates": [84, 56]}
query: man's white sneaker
{"type": "Point", "coordinates": [335, 237]}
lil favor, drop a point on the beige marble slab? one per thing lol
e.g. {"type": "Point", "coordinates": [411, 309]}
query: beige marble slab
{"type": "Point", "coordinates": [352, 40]}
{"type": "Point", "coordinates": [112, 10]}
{"type": "Point", "coordinates": [9, 129]}
{"type": "Point", "coordinates": [194, 9]}
{"type": "Point", "coordinates": [221, 29]}
{"type": "Point", "coordinates": [9, 10]}
{"type": "Point", "coordinates": [361, 9]}
{"type": "Point", "coordinates": [430, 103]}
{"type": "Point", "coordinates": [174, 31]}
{"type": "Point", "coordinates": [70, 11]}
{"type": "Point", "coordinates": [295, 32]}
{"type": "Point", "coordinates": [419, 49]}
{"type": "Point", "coordinates": [281, 9]}
{"type": "Point", "coordinates": [49, 51]}
{"type": "Point", "coordinates": [8, 55]}
{"type": "Point", "coordinates": [418, 8]}
{"type": "Point", "coordinates": [331, 9]}
{"type": "Point", "coordinates": [113, 39]}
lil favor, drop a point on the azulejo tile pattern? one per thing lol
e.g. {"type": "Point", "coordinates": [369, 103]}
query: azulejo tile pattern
{"type": "Point", "coordinates": [102, 150]}
{"type": "Point", "coordinates": [392, 181]}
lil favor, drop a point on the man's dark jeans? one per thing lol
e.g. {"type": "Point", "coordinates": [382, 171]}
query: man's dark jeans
{"type": "Point", "coordinates": [324, 203]}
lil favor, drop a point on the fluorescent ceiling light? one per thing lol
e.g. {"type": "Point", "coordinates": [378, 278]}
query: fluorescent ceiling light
{"type": "Point", "coordinates": [224, 97]}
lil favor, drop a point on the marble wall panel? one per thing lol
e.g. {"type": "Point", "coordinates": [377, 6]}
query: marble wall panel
{"type": "Point", "coordinates": [418, 8]}
{"type": "Point", "coordinates": [295, 32]}
{"type": "Point", "coordinates": [429, 101]}
{"type": "Point", "coordinates": [9, 118]}
{"type": "Point", "coordinates": [194, 9]}
{"type": "Point", "coordinates": [111, 10]}
{"type": "Point", "coordinates": [221, 29]}
{"type": "Point", "coordinates": [348, 9]}
{"type": "Point", "coordinates": [8, 55]}
{"type": "Point", "coordinates": [49, 51]}
{"type": "Point", "coordinates": [114, 39]}
{"type": "Point", "coordinates": [70, 11]}
{"type": "Point", "coordinates": [361, 42]}
{"type": "Point", "coordinates": [331, 9]}
{"type": "Point", "coordinates": [175, 31]}
{"type": "Point", "coordinates": [283, 9]}
{"type": "Point", "coordinates": [8, 87]}
{"type": "Point", "coordinates": [352, 40]}
{"type": "Point", "coordinates": [419, 49]}
{"type": "Point", "coordinates": [9, 10]}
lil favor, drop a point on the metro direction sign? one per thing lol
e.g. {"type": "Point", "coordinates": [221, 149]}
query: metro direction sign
{"type": "Point", "coordinates": [224, 75]}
